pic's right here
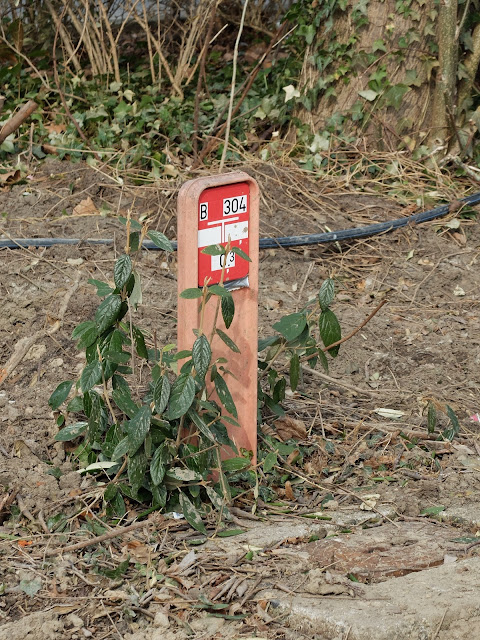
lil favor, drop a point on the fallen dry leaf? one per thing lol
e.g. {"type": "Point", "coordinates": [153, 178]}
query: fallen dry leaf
{"type": "Point", "coordinates": [290, 428]}
{"type": "Point", "coordinates": [11, 177]}
{"type": "Point", "coordinates": [85, 208]}
{"type": "Point", "coordinates": [289, 491]}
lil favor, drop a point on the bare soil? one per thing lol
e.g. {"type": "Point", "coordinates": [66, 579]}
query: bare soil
{"type": "Point", "coordinates": [423, 346]}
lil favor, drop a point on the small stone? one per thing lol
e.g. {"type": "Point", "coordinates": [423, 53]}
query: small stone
{"type": "Point", "coordinates": [161, 620]}
{"type": "Point", "coordinates": [207, 625]}
{"type": "Point", "coordinates": [56, 363]}
{"type": "Point", "coordinates": [75, 262]}
{"type": "Point", "coordinates": [74, 620]}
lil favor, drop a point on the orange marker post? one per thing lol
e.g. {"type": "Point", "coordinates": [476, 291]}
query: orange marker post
{"type": "Point", "coordinates": [210, 211]}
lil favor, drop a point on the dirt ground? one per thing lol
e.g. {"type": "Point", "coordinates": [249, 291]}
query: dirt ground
{"type": "Point", "coordinates": [423, 346]}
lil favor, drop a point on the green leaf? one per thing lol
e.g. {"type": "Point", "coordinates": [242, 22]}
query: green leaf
{"type": "Point", "coordinates": [108, 312]}
{"type": "Point", "coordinates": [323, 359]}
{"type": "Point", "coordinates": [330, 330]}
{"type": "Point", "coordinates": [190, 294]}
{"type": "Point", "coordinates": [202, 426]}
{"type": "Point", "coordinates": [183, 475]}
{"type": "Point", "coordinates": [263, 343]}
{"type": "Point", "coordinates": [135, 296]}
{"type": "Point", "coordinates": [123, 399]}
{"type": "Point", "coordinates": [103, 289]}
{"type": "Point", "coordinates": [270, 461]}
{"type": "Point", "coordinates": [71, 432]}
{"type": "Point", "coordinates": [140, 345]}
{"type": "Point", "coordinates": [228, 310]}
{"type": "Point", "coordinates": [192, 515]}
{"type": "Point", "coordinates": [137, 467]}
{"type": "Point", "coordinates": [326, 294]}
{"type": "Point", "coordinates": [122, 271]}
{"type": "Point", "coordinates": [235, 464]}
{"type": "Point", "coordinates": [30, 587]}
{"type": "Point", "coordinates": [60, 394]}
{"type": "Point", "coordinates": [393, 96]}
{"type": "Point", "coordinates": [181, 396]}
{"type": "Point", "coordinates": [133, 223]}
{"type": "Point", "coordinates": [432, 511]}
{"type": "Point", "coordinates": [117, 357]}
{"type": "Point", "coordinates": [294, 371]}
{"type": "Point", "coordinates": [431, 418]}
{"type": "Point", "coordinates": [158, 465]}
{"type": "Point", "coordinates": [291, 326]}
{"type": "Point", "coordinates": [137, 429]}
{"type": "Point", "coordinates": [228, 533]}
{"type": "Point", "coordinates": [368, 94]}
{"type": "Point", "coordinates": [218, 290]}
{"type": "Point", "coordinates": [82, 328]}
{"type": "Point", "coordinates": [161, 393]}
{"type": "Point", "coordinates": [214, 250]}
{"type": "Point", "coordinates": [240, 253]}
{"type": "Point", "coordinates": [449, 434]}
{"type": "Point", "coordinates": [75, 405]}
{"type": "Point", "coordinates": [121, 449]}
{"type": "Point", "coordinates": [201, 355]}
{"type": "Point", "coordinates": [91, 375]}
{"type": "Point", "coordinates": [228, 341]}
{"type": "Point", "coordinates": [225, 396]}
{"type": "Point", "coordinates": [160, 240]}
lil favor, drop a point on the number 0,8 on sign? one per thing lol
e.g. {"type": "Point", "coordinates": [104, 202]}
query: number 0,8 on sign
{"type": "Point", "coordinates": [223, 215]}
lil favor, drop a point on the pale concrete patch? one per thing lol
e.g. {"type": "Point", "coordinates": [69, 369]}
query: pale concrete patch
{"type": "Point", "coordinates": [412, 607]}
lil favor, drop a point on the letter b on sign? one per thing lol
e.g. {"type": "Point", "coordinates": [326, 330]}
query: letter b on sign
{"type": "Point", "coordinates": [204, 211]}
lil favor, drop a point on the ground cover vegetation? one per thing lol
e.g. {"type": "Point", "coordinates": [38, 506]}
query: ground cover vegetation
{"type": "Point", "coordinates": [149, 93]}
{"type": "Point", "coordinates": [147, 86]}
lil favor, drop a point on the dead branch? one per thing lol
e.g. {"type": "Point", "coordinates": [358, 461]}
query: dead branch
{"type": "Point", "coordinates": [114, 533]}
{"type": "Point", "coordinates": [17, 119]}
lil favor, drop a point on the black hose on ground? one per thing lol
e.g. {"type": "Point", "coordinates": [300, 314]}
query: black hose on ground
{"type": "Point", "coordinates": [271, 243]}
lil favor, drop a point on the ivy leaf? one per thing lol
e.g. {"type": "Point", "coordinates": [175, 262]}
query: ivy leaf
{"type": "Point", "coordinates": [184, 475]}
{"type": "Point", "coordinates": [228, 341]}
{"type": "Point", "coordinates": [225, 396]}
{"type": "Point", "coordinates": [161, 393]}
{"type": "Point", "coordinates": [122, 271]}
{"type": "Point", "coordinates": [91, 375]}
{"type": "Point", "coordinates": [71, 432]}
{"type": "Point", "coordinates": [294, 371]}
{"type": "Point", "coordinates": [240, 253]}
{"type": "Point", "coordinates": [134, 224]}
{"type": "Point", "coordinates": [160, 240]}
{"type": "Point", "coordinates": [326, 294]}
{"type": "Point", "coordinates": [291, 326]}
{"type": "Point", "coordinates": [190, 294]}
{"type": "Point", "coordinates": [330, 330]}
{"type": "Point", "coordinates": [201, 355]}
{"type": "Point", "coordinates": [181, 396]}
{"type": "Point", "coordinates": [137, 429]}
{"type": "Point", "coordinates": [158, 465]}
{"type": "Point", "coordinates": [192, 515]}
{"type": "Point", "coordinates": [368, 94]}
{"type": "Point", "coordinates": [107, 312]}
{"type": "Point", "coordinates": [60, 394]}
{"type": "Point", "coordinates": [270, 461]}
{"type": "Point", "coordinates": [228, 310]}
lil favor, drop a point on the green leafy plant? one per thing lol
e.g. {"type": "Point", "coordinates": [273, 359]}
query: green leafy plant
{"type": "Point", "coordinates": [302, 337]}
{"type": "Point", "coordinates": [157, 443]}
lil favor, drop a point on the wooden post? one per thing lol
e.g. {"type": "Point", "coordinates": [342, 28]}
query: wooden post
{"type": "Point", "coordinates": [210, 210]}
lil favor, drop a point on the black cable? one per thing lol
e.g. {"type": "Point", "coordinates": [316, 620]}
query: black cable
{"type": "Point", "coordinates": [269, 243]}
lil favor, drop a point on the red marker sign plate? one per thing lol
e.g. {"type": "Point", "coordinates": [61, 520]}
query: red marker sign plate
{"type": "Point", "coordinates": [223, 214]}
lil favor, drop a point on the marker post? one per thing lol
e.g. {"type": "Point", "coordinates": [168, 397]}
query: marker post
{"type": "Point", "coordinates": [212, 210]}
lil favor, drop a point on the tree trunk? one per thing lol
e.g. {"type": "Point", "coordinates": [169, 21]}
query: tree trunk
{"type": "Point", "coordinates": [386, 80]}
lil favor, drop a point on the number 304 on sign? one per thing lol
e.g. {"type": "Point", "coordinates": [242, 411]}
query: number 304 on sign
{"type": "Point", "coordinates": [223, 214]}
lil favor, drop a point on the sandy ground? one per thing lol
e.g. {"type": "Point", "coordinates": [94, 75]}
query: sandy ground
{"type": "Point", "coordinates": [424, 345]}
